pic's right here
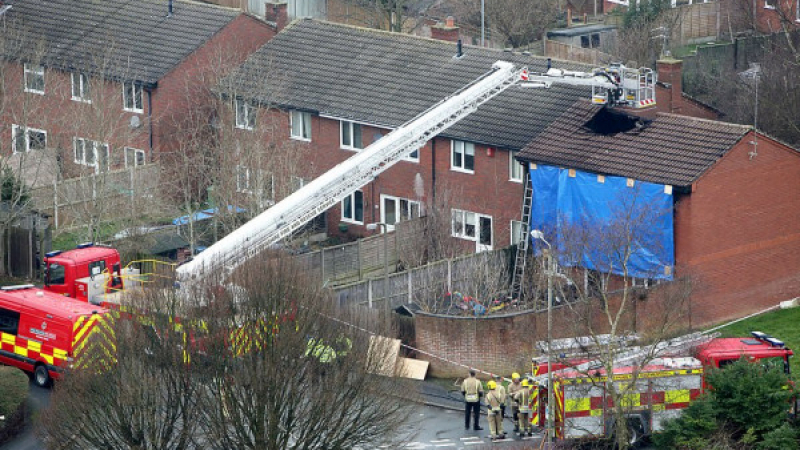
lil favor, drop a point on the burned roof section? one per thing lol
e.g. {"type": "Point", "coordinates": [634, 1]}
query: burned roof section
{"type": "Point", "coordinates": [670, 149]}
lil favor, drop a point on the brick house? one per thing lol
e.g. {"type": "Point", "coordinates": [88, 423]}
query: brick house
{"type": "Point", "coordinates": [104, 85]}
{"type": "Point", "coordinates": [735, 206]}
{"type": "Point", "coordinates": [333, 89]}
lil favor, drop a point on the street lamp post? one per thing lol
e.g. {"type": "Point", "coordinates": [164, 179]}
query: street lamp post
{"type": "Point", "coordinates": [384, 229]}
{"type": "Point", "coordinates": [537, 234]}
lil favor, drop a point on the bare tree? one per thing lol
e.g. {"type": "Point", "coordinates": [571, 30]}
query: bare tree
{"type": "Point", "coordinates": [649, 30]}
{"type": "Point", "coordinates": [610, 302]}
{"type": "Point", "coordinates": [300, 375]}
{"type": "Point", "coordinates": [515, 22]}
{"type": "Point", "coordinates": [401, 16]}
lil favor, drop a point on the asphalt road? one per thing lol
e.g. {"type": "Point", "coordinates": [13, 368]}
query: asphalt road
{"type": "Point", "coordinates": [38, 398]}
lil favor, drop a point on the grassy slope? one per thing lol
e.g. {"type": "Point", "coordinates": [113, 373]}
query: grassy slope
{"type": "Point", "coordinates": [783, 324]}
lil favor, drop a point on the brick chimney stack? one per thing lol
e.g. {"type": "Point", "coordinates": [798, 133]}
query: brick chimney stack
{"type": "Point", "coordinates": [670, 71]}
{"type": "Point", "coordinates": [277, 13]}
{"type": "Point", "coordinates": [446, 32]}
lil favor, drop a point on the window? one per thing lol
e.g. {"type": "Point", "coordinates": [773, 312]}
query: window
{"type": "Point", "coordinates": [463, 156]}
{"type": "Point", "coordinates": [769, 4]}
{"type": "Point", "coordinates": [97, 267]}
{"type": "Point", "coordinates": [396, 209]}
{"type": "Point", "coordinates": [797, 11]}
{"type": "Point", "coordinates": [517, 232]}
{"type": "Point", "coordinates": [134, 157]}
{"type": "Point", "coordinates": [91, 153]}
{"type": "Point", "coordinates": [295, 183]}
{"type": "Point", "coordinates": [351, 135]}
{"type": "Point", "coordinates": [9, 321]}
{"type": "Point", "coordinates": [80, 87]}
{"type": "Point", "coordinates": [473, 227]}
{"type": "Point", "coordinates": [56, 274]}
{"type": "Point", "coordinates": [34, 78]}
{"type": "Point", "coordinates": [301, 125]}
{"type": "Point", "coordinates": [132, 96]}
{"type": "Point", "coordinates": [242, 179]}
{"type": "Point", "coordinates": [27, 139]}
{"type": "Point", "coordinates": [515, 168]}
{"type": "Point", "coordinates": [353, 207]}
{"type": "Point", "coordinates": [266, 188]}
{"type": "Point", "coordinates": [245, 115]}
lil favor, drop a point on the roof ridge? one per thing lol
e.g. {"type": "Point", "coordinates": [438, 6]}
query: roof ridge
{"type": "Point", "coordinates": [438, 41]}
{"type": "Point", "coordinates": [700, 119]}
{"type": "Point", "coordinates": [211, 5]}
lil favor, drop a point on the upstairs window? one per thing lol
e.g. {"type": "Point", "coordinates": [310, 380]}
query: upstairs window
{"type": "Point", "coordinates": [351, 135]}
{"type": "Point", "coordinates": [301, 125]}
{"type": "Point", "coordinates": [91, 153]}
{"type": "Point", "coordinates": [34, 78]}
{"type": "Point", "coordinates": [27, 139]}
{"type": "Point", "coordinates": [463, 156]}
{"type": "Point", "coordinates": [514, 168]}
{"type": "Point", "coordinates": [132, 97]}
{"type": "Point", "coordinates": [80, 87]}
{"type": "Point", "coordinates": [245, 115]}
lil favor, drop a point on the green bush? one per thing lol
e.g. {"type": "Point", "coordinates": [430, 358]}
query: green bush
{"type": "Point", "coordinates": [14, 388]}
{"type": "Point", "coordinates": [748, 404]}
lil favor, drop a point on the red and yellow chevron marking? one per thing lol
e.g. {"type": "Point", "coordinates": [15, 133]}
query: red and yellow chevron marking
{"type": "Point", "coordinates": [664, 400]}
{"type": "Point", "coordinates": [33, 350]}
{"type": "Point", "coordinates": [93, 341]}
{"type": "Point", "coordinates": [558, 394]}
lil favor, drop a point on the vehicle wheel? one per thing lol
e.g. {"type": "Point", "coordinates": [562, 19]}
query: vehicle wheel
{"type": "Point", "coordinates": [41, 377]}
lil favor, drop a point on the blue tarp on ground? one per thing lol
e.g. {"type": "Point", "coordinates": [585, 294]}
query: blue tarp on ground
{"type": "Point", "coordinates": [204, 215]}
{"type": "Point", "coordinates": [589, 221]}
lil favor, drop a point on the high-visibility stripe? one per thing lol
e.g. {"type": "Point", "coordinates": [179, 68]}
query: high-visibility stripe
{"type": "Point", "coordinates": [577, 404]}
{"type": "Point", "coordinates": [629, 376]}
{"type": "Point", "coordinates": [677, 396]}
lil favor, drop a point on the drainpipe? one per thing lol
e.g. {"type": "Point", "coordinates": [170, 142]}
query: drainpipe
{"type": "Point", "coordinates": [433, 170]}
{"type": "Point", "coordinates": [150, 120]}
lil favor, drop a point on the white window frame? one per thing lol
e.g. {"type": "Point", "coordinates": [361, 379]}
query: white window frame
{"type": "Point", "coordinates": [83, 87]}
{"type": "Point", "coordinates": [135, 156]}
{"type": "Point", "coordinates": [264, 199]}
{"type": "Point", "coordinates": [462, 148]}
{"type": "Point", "coordinates": [412, 206]}
{"type": "Point", "coordinates": [296, 183]}
{"type": "Point", "coordinates": [16, 129]}
{"type": "Point", "coordinates": [33, 70]}
{"type": "Point", "coordinates": [138, 94]}
{"type": "Point", "coordinates": [516, 237]}
{"type": "Point", "coordinates": [459, 228]}
{"type": "Point", "coordinates": [353, 202]}
{"type": "Point", "coordinates": [243, 171]}
{"type": "Point", "coordinates": [245, 115]}
{"type": "Point", "coordinates": [94, 146]}
{"type": "Point", "coordinates": [768, 4]}
{"type": "Point", "coordinates": [512, 165]}
{"type": "Point", "coordinates": [345, 125]}
{"type": "Point", "coordinates": [304, 119]}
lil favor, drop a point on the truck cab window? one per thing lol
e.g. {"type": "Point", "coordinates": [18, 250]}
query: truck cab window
{"type": "Point", "coordinates": [9, 321]}
{"type": "Point", "coordinates": [55, 274]}
{"type": "Point", "coordinates": [96, 267]}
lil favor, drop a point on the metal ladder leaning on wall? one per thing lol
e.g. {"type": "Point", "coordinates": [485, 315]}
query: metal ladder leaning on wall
{"type": "Point", "coordinates": [520, 259]}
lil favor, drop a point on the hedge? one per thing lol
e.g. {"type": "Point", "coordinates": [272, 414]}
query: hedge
{"type": "Point", "coordinates": [13, 393]}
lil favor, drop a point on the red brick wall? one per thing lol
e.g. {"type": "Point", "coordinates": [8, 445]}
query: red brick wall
{"type": "Point", "coordinates": [737, 232]}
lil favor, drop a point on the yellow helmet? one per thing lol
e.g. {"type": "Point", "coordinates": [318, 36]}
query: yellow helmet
{"type": "Point", "coordinates": [515, 376]}
{"type": "Point", "coordinates": [491, 384]}
{"type": "Point", "coordinates": [526, 383]}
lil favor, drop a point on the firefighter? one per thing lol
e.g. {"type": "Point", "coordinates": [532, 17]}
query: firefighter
{"type": "Point", "coordinates": [472, 388]}
{"type": "Point", "coordinates": [494, 400]}
{"type": "Point", "coordinates": [513, 389]}
{"type": "Point", "coordinates": [523, 398]}
{"type": "Point", "coordinates": [502, 390]}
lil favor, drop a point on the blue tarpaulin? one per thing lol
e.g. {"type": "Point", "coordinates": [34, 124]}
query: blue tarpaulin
{"type": "Point", "coordinates": [204, 215]}
{"type": "Point", "coordinates": [605, 222]}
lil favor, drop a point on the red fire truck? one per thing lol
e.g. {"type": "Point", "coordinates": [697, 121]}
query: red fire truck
{"type": "Point", "coordinates": [663, 388]}
{"type": "Point", "coordinates": [77, 273]}
{"type": "Point", "coordinates": [42, 332]}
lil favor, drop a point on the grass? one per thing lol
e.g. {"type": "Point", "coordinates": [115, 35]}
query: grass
{"type": "Point", "coordinates": [784, 324]}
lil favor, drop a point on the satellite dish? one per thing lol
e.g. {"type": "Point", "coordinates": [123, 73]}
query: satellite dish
{"type": "Point", "coordinates": [136, 122]}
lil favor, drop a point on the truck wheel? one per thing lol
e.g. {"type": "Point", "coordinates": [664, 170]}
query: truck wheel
{"type": "Point", "coordinates": [41, 377]}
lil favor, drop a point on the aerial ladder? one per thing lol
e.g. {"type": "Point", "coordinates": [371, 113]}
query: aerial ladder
{"type": "Point", "coordinates": [288, 215]}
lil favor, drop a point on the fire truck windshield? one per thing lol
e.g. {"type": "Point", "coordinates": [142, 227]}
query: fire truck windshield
{"type": "Point", "coordinates": [55, 274]}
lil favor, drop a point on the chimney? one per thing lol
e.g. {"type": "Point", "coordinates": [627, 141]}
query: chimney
{"type": "Point", "coordinates": [446, 32]}
{"type": "Point", "coordinates": [670, 71]}
{"type": "Point", "coordinates": [277, 13]}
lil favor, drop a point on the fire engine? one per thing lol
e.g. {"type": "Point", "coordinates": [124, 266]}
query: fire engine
{"type": "Point", "coordinates": [663, 387]}
{"type": "Point", "coordinates": [42, 332]}
{"type": "Point", "coordinates": [77, 273]}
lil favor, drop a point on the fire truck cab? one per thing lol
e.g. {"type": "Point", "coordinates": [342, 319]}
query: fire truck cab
{"type": "Point", "coordinates": [41, 332]}
{"type": "Point", "coordinates": [760, 347]}
{"type": "Point", "coordinates": [75, 273]}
